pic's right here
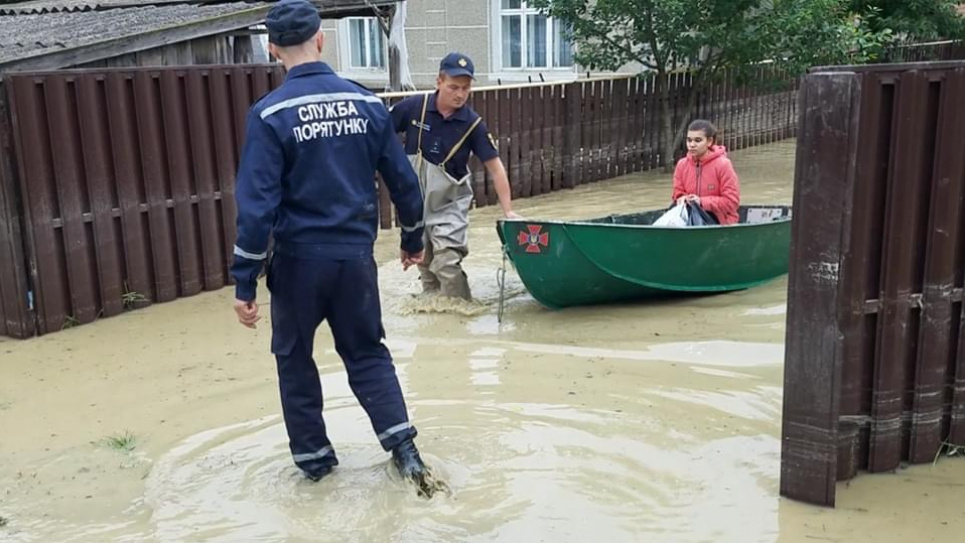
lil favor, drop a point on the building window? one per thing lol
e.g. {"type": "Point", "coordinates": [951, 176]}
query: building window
{"type": "Point", "coordinates": [530, 40]}
{"type": "Point", "coordinates": [366, 44]}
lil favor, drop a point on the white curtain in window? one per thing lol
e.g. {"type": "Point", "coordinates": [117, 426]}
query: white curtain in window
{"type": "Point", "coordinates": [530, 39]}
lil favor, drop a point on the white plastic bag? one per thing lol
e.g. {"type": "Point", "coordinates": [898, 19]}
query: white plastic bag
{"type": "Point", "coordinates": [674, 217]}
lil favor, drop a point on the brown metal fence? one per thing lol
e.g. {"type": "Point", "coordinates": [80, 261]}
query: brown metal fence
{"type": "Point", "coordinates": [875, 363]}
{"type": "Point", "coordinates": [126, 180]}
{"type": "Point", "coordinates": [124, 177]}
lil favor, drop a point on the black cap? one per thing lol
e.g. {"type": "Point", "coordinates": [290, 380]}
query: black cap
{"type": "Point", "coordinates": [292, 22]}
{"type": "Point", "coordinates": [457, 64]}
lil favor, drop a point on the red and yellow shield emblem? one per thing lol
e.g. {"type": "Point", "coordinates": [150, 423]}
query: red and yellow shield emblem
{"type": "Point", "coordinates": [533, 238]}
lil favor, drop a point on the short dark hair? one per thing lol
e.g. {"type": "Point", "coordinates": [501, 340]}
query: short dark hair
{"type": "Point", "coordinates": [704, 126]}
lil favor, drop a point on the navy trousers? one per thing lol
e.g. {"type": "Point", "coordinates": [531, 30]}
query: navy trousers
{"type": "Point", "coordinates": [346, 294]}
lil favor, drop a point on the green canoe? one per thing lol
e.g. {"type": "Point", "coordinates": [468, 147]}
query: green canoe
{"type": "Point", "coordinates": [622, 257]}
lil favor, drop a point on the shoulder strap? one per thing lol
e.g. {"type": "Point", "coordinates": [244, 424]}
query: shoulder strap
{"type": "Point", "coordinates": [422, 121]}
{"type": "Point", "coordinates": [465, 136]}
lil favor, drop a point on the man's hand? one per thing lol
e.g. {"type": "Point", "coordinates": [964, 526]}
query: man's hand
{"type": "Point", "coordinates": [247, 313]}
{"type": "Point", "coordinates": [412, 259]}
{"type": "Point", "coordinates": [511, 215]}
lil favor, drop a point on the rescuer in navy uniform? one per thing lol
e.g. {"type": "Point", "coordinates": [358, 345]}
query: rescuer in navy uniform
{"type": "Point", "coordinates": [307, 177]}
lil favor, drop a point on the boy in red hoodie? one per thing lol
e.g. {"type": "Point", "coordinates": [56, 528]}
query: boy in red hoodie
{"type": "Point", "coordinates": [706, 176]}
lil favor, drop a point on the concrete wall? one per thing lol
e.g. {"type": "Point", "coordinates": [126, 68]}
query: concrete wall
{"type": "Point", "coordinates": [435, 28]}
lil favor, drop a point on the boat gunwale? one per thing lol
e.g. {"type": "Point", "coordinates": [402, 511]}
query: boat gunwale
{"type": "Point", "coordinates": [588, 222]}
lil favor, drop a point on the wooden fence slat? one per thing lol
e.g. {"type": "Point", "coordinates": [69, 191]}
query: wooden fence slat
{"type": "Point", "coordinates": [475, 166]}
{"type": "Point", "coordinates": [898, 323]}
{"type": "Point", "coordinates": [937, 341]}
{"type": "Point", "coordinates": [16, 315]}
{"type": "Point", "coordinates": [559, 146]}
{"type": "Point", "coordinates": [524, 114]}
{"type": "Point", "coordinates": [180, 180]}
{"type": "Point", "coordinates": [241, 100]}
{"type": "Point", "coordinates": [494, 111]}
{"type": "Point", "coordinates": [67, 165]}
{"type": "Point", "coordinates": [655, 111]}
{"type": "Point", "coordinates": [812, 353]}
{"type": "Point", "coordinates": [204, 160]}
{"type": "Point", "coordinates": [130, 190]}
{"type": "Point", "coordinates": [544, 147]}
{"type": "Point", "coordinates": [510, 114]}
{"type": "Point", "coordinates": [608, 134]}
{"type": "Point", "coordinates": [572, 119]}
{"type": "Point", "coordinates": [153, 161]}
{"type": "Point", "coordinates": [861, 278]}
{"type": "Point", "coordinates": [39, 190]}
{"type": "Point", "coordinates": [226, 155]}
{"type": "Point", "coordinates": [95, 145]}
{"type": "Point", "coordinates": [596, 130]}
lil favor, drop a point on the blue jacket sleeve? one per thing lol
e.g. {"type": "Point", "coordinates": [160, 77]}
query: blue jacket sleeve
{"type": "Point", "coordinates": [400, 116]}
{"type": "Point", "coordinates": [403, 184]}
{"type": "Point", "coordinates": [258, 194]}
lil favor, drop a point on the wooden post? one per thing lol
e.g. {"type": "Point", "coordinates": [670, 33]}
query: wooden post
{"type": "Point", "coordinates": [823, 190]}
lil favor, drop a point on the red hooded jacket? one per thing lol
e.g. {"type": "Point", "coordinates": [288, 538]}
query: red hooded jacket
{"type": "Point", "coordinates": [713, 179]}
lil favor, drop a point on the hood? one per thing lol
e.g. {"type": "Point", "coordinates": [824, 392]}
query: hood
{"type": "Point", "coordinates": [712, 154]}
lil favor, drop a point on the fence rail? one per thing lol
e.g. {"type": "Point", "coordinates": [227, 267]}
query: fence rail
{"type": "Point", "coordinates": [926, 52]}
{"type": "Point", "coordinates": [875, 358]}
{"type": "Point", "coordinates": [118, 184]}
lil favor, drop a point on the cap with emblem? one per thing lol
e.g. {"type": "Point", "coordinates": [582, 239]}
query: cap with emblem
{"type": "Point", "coordinates": [457, 64]}
{"type": "Point", "coordinates": [292, 22]}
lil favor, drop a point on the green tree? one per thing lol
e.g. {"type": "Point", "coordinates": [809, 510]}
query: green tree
{"type": "Point", "coordinates": [914, 20]}
{"type": "Point", "coordinates": [708, 37]}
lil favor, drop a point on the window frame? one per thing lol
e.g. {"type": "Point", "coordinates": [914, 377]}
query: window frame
{"type": "Point", "coordinates": [524, 12]}
{"type": "Point", "coordinates": [346, 44]}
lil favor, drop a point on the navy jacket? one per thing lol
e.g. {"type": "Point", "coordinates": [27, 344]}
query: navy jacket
{"type": "Point", "coordinates": [307, 175]}
{"type": "Point", "coordinates": [440, 135]}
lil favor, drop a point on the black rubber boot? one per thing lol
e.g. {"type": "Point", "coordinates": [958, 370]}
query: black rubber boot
{"type": "Point", "coordinates": [317, 475]}
{"type": "Point", "coordinates": [411, 467]}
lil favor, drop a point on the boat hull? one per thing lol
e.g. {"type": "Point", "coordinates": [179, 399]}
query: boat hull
{"type": "Point", "coordinates": [622, 258]}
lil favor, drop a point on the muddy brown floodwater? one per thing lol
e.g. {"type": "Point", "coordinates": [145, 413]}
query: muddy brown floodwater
{"type": "Point", "coordinates": [637, 422]}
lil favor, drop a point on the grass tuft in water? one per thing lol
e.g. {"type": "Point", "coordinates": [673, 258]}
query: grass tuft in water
{"type": "Point", "coordinates": [126, 442]}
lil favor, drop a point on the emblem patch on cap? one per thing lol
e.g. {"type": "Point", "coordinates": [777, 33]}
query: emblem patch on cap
{"type": "Point", "coordinates": [462, 62]}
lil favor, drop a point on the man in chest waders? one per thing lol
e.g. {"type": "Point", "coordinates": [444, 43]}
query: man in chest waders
{"type": "Point", "coordinates": [441, 132]}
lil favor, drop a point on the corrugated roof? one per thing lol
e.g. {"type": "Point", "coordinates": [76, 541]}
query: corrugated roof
{"type": "Point", "coordinates": [69, 6]}
{"type": "Point", "coordinates": [25, 36]}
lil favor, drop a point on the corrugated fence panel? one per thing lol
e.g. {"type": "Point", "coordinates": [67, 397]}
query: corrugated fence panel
{"type": "Point", "coordinates": [127, 179]}
{"type": "Point", "coordinates": [896, 342]}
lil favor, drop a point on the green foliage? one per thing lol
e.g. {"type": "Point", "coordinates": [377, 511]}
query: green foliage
{"type": "Point", "coordinates": [711, 36]}
{"type": "Point", "coordinates": [913, 20]}
{"type": "Point", "coordinates": [667, 35]}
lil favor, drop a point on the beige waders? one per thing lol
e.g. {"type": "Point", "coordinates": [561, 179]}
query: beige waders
{"type": "Point", "coordinates": [446, 215]}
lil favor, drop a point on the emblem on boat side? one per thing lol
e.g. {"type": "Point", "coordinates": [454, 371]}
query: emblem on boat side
{"type": "Point", "coordinates": [533, 238]}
